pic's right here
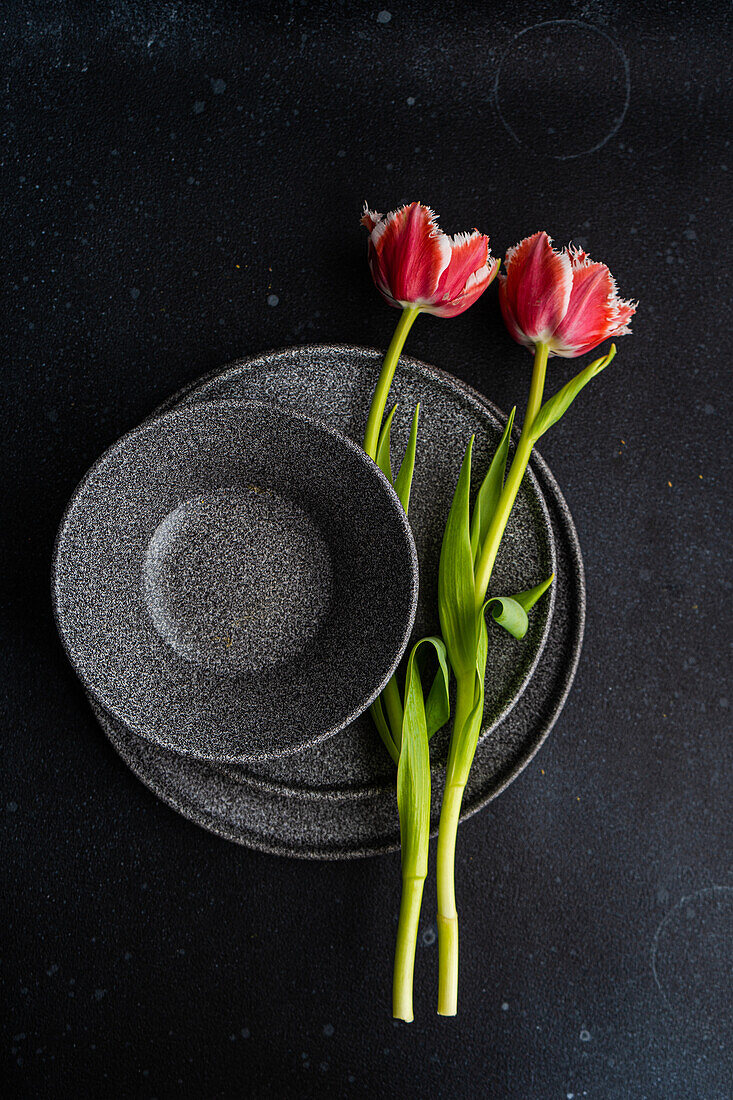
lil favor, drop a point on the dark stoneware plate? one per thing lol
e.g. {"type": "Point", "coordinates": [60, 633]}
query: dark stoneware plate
{"type": "Point", "coordinates": [338, 801]}
{"type": "Point", "coordinates": [235, 581]}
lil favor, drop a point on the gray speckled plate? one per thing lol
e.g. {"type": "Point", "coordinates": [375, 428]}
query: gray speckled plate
{"type": "Point", "coordinates": [337, 800]}
{"type": "Point", "coordinates": [220, 581]}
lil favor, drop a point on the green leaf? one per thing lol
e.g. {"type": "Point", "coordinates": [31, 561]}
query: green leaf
{"type": "Point", "coordinates": [490, 491]}
{"type": "Point", "coordinates": [403, 481]}
{"type": "Point", "coordinates": [437, 708]}
{"type": "Point", "coordinates": [413, 770]}
{"type": "Point", "coordinates": [556, 406]}
{"type": "Point", "coordinates": [377, 712]}
{"type": "Point", "coordinates": [511, 611]}
{"type": "Point", "coordinates": [383, 447]}
{"type": "Point", "coordinates": [508, 613]}
{"type": "Point", "coordinates": [456, 593]}
{"type": "Point", "coordinates": [529, 598]}
{"type": "Point", "coordinates": [465, 740]}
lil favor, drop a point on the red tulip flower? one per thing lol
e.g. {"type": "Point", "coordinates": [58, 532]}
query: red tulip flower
{"type": "Point", "coordinates": [560, 299]}
{"type": "Point", "coordinates": [419, 269]}
{"type": "Point", "coordinates": [415, 264]}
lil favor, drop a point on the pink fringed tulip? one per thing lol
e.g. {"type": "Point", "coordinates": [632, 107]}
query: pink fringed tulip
{"type": "Point", "coordinates": [560, 299]}
{"type": "Point", "coordinates": [419, 269]}
{"type": "Point", "coordinates": [414, 264]}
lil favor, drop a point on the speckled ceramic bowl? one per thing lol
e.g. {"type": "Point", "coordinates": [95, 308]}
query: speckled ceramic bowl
{"type": "Point", "coordinates": [235, 581]}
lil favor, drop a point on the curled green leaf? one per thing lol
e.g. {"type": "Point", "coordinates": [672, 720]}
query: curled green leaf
{"type": "Point", "coordinates": [511, 611]}
{"type": "Point", "coordinates": [529, 598]}
{"type": "Point", "coordinates": [508, 613]}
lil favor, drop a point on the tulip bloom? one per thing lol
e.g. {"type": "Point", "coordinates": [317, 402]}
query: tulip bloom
{"type": "Point", "coordinates": [419, 269]}
{"type": "Point", "coordinates": [415, 264]}
{"type": "Point", "coordinates": [560, 299]}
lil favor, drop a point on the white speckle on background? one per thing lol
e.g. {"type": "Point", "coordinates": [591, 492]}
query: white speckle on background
{"type": "Point", "coordinates": [219, 86]}
{"type": "Point", "coordinates": [272, 300]}
{"type": "Point", "coordinates": [384, 16]}
{"type": "Point", "coordinates": [198, 106]}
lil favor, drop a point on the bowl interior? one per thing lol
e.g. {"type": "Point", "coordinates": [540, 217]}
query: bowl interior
{"type": "Point", "coordinates": [235, 581]}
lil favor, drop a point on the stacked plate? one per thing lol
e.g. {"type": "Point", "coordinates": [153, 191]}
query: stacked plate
{"type": "Point", "coordinates": [234, 582]}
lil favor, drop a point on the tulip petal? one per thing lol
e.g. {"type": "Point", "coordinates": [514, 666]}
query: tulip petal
{"type": "Point", "coordinates": [595, 312]}
{"type": "Point", "coordinates": [474, 288]}
{"type": "Point", "coordinates": [469, 253]}
{"type": "Point", "coordinates": [507, 313]}
{"type": "Point", "coordinates": [370, 218]}
{"type": "Point", "coordinates": [408, 254]}
{"type": "Point", "coordinates": [471, 269]}
{"type": "Point", "coordinates": [536, 288]}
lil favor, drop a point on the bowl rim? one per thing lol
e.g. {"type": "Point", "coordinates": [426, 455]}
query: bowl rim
{"type": "Point", "coordinates": [181, 413]}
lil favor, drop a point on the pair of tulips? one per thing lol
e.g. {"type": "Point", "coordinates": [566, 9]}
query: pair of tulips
{"type": "Point", "coordinates": [556, 303]}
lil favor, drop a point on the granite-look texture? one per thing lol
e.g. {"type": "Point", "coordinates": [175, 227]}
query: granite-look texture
{"type": "Point", "coordinates": [337, 799]}
{"type": "Point", "coordinates": [222, 573]}
{"type": "Point", "coordinates": [181, 187]}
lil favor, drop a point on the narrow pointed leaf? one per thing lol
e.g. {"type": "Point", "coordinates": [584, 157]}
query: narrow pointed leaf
{"type": "Point", "coordinates": [490, 491]}
{"type": "Point", "coordinates": [465, 740]}
{"type": "Point", "coordinates": [556, 406]}
{"type": "Point", "coordinates": [437, 707]}
{"type": "Point", "coordinates": [403, 481]}
{"type": "Point", "coordinates": [508, 613]}
{"type": "Point", "coordinates": [377, 712]}
{"type": "Point", "coordinates": [456, 593]}
{"type": "Point", "coordinates": [529, 598]}
{"type": "Point", "coordinates": [413, 770]}
{"type": "Point", "coordinates": [383, 447]}
{"type": "Point", "coordinates": [476, 529]}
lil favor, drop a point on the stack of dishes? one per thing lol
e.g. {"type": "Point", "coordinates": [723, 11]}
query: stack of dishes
{"type": "Point", "coordinates": [235, 581]}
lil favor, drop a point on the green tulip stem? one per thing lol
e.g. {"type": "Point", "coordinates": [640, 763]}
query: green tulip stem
{"type": "Point", "coordinates": [459, 759]}
{"type": "Point", "coordinates": [404, 959]}
{"type": "Point", "coordinates": [390, 695]}
{"type": "Point", "coordinates": [450, 813]}
{"type": "Point", "coordinates": [381, 393]}
{"type": "Point", "coordinates": [522, 455]}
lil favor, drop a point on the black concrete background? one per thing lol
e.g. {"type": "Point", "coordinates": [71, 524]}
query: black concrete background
{"type": "Point", "coordinates": [167, 168]}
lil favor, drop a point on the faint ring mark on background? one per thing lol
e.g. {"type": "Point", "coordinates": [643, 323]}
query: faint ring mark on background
{"type": "Point", "coordinates": [692, 956]}
{"type": "Point", "coordinates": [558, 86]}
